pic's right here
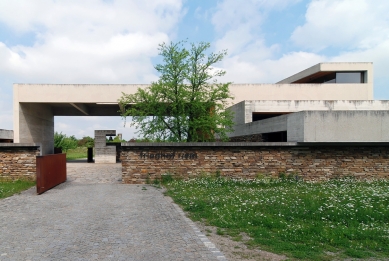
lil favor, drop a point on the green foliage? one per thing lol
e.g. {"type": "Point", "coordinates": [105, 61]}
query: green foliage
{"type": "Point", "coordinates": [77, 153]}
{"type": "Point", "coordinates": [8, 188]}
{"type": "Point", "coordinates": [186, 103]}
{"type": "Point", "coordinates": [166, 178]}
{"type": "Point", "coordinates": [86, 141]}
{"type": "Point", "coordinates": [331, 220]}
{"type": "Point", "coordinates": [64, 142]}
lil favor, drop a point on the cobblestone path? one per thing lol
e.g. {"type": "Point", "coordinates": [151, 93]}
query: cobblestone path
{"type": "Point", "coordinates": [93, 217]}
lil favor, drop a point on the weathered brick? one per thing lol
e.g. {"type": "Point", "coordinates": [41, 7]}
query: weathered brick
{"type": "Point", "coordinates": [311, 163]}
{"type": "Point", "coordinates": [17, 163]}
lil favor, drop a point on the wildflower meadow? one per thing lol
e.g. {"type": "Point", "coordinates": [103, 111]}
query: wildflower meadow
{"type": "Point", "coordinates": [330, 220]}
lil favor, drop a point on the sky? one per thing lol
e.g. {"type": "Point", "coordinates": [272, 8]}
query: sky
{"type": "Point", "coordinates": [116, 41]}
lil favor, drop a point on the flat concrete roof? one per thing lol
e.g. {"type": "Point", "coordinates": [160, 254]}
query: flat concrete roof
{"type": "Point", "coordinates": [322, 69]}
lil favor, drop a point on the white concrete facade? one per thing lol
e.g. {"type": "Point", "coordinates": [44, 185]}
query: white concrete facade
{"type": "Point", "coordinates": [244, 110]}
{"type": "Point", "coordinates": [35, 105]}
{"type": "Point", "coordinates": [345, 119]}
{"type": "Point", "coordinates": [324, 126]}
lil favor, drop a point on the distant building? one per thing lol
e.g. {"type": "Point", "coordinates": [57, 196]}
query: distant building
{"type": "Point", "coordinates": [6, 136]}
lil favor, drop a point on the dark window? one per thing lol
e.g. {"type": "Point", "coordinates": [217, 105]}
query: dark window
{"type": "Point", "coordinates": [349, 77]}
{"type": "Point", "coordinates": [262, 116]}
{"type": "Point", "coordinates": [275, 136]}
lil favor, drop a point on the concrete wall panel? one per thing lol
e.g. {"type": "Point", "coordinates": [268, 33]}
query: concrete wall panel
{"type": "Point", "coordinates": [103, 153]}
{"type": "Point", "coordinates": [6, 134]}
{"type": "Point", "coordinates": [344, 126]}
{"type": "Point", "coordinates": [295, 126]}
{"type": "Point", "coordinates": [36, 125]}
{"type": "Point", "coordinates": [306, 105]}
{"type": "Point", "coordinates": [275, 124]}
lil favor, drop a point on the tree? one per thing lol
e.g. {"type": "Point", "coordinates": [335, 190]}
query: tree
{"type": "Point", "coordinates": [186, 103]}
{"type": "Point", "coordinates": [64, 142]}
{"type": "Point", "coordinates": [86, 141]}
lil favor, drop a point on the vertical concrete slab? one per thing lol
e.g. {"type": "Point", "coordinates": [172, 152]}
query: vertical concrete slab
{"type": "Point", "coordinates": [295, 127]}
{"type": "Point", "coordinates": [104, 153]}
{"type": "Point", "coordinates": [34, 123]}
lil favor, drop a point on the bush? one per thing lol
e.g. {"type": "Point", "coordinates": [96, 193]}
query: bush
{"type": "Point", "coordinates": [64, 142]}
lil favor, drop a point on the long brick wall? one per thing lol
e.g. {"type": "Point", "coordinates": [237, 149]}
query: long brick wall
{"type": "Point", "coordinates": [18, 162]}
{"type": "Point", "coordinates": [142, 162]}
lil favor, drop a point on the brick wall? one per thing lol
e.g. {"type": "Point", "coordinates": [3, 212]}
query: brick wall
{"type": "Point", "coordinates": [18, 163]}
{"type": "Point", "coordinates": [309, 163]}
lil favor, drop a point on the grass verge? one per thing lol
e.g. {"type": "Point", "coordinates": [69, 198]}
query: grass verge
{"type": "Point", "coordinates": [77, 153]}
{"type": "Point", "coordinates": [9, 188]}
{"type": "Point", "coordinates": [303, 220]}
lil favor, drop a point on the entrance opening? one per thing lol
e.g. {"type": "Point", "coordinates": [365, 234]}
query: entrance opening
{"type": "Point", "coordinates": [280, 136]}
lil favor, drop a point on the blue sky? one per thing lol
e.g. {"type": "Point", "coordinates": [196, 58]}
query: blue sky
{"type": "Point", "coordinates": [115, 41]}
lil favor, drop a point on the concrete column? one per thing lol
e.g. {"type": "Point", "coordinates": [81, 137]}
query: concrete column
{"type": "Point", "coordinates": [34, 123]}
{"type": "Point", "coordinates": [104, 153]}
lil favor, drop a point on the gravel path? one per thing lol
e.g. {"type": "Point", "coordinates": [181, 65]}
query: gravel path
{"type": "Point", "coordinates": [98, 219]}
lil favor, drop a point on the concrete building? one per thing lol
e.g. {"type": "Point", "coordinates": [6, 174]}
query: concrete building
{"type": "Point", "coordinates": [287, 110]}
{"type": "Point", "coordinates": [304, 118]}
{"type": "Point", "coordinates": [6, 136]}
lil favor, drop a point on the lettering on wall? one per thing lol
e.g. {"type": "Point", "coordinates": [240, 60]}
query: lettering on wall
{"type": "Point", "coordinates": [168, 155]}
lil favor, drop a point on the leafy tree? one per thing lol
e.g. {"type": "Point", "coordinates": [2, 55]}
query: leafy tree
{"type": "Point", "coordinates": [186, 103]}
{"type": "Point", "coordinates": [64, 142]}
{"type": "Point", "coordinates": [58, 139]}
{"type": "Point", "coordinates": [86, 141]}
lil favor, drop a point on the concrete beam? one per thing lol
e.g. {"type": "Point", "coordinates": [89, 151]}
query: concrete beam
{"type": "Point", "coordinates": [81, 107]}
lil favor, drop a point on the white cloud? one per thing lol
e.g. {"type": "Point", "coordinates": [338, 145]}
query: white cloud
{"type": "Point", "coordinates": [249, 59]}
{"type": "Point", "coordinates": [346, 24]}
{"type": "Point", "coordinates": [87, 42]}
{"type": "Point", "coordinates": [355, 31]}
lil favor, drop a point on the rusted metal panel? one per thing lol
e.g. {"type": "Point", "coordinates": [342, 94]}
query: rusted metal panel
{"type": "Point", "coordinates": [50, 171]}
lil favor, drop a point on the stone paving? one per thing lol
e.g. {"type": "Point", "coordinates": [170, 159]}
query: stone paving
{"type": "Point", "coordinates": [94, 217]}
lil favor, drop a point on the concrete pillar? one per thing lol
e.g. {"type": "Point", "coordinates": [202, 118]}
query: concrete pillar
{"type": "Point", "coordinates": [34, 123]}
{"type": "Point", "coordinates": [104, 153]}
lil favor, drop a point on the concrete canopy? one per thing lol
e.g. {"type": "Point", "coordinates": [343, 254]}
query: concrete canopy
{"type": "Point", "coordinates": [35, 105]}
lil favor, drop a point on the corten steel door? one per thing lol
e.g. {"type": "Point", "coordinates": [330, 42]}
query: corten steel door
{"type": "Point", "coordinates": [50, 171]}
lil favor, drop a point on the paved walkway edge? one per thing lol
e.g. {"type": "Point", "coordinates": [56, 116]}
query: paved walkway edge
{"type": "Point", "coordinates": [219, 255]}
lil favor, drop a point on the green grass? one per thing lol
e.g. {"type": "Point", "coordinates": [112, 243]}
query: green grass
{"type": "Point", "coordinates": [77, 153]}
{"type": "Point", "coordinates": [303, 220]}
{"type": "Point", "coordinates": [8, 188]}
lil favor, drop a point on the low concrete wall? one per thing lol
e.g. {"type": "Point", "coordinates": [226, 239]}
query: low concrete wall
{"type": "Point", "coordinates": [18, 161]}
{"type": "Point", "coordinates": [7, 135]}
{"type": "Point", "coordinates": [142, 161]}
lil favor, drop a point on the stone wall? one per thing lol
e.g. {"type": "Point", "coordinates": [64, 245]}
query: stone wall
{"type": "Point", "coordinates": [18, 162]}
{"type": "Point", "coordinates": [310, 163]}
